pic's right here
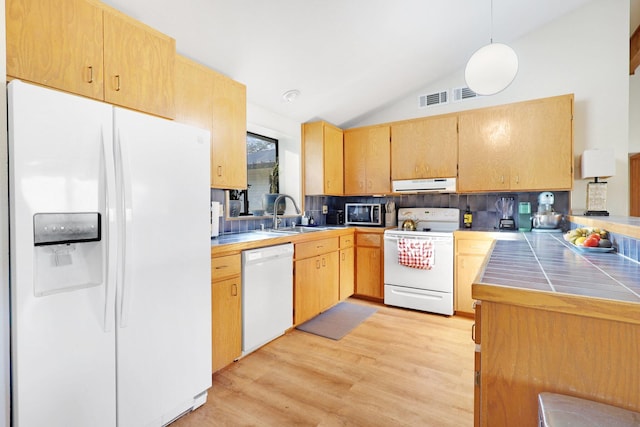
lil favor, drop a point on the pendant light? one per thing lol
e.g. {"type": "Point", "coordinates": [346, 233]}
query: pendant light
{"type": "Point", "coordinates": [492, 67]}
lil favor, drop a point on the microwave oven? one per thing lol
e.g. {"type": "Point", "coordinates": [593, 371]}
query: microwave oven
{"type": "Point", "coordinates": [364, 214]}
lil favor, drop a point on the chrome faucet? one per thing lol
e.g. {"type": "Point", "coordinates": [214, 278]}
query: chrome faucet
{"type": "Point", "coordinates": [275, 208]}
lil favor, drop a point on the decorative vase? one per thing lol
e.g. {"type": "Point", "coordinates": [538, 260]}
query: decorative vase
{"type": "Point", "coordinates": [235, 206]}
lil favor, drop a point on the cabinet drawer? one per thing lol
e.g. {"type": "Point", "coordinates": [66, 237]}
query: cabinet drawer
{"type": "Point", "coordinates": [473, 246]}
{"type": "Point", "coordinates": [316, 247]}
{"type": "Point", "coordinates": [369, 239]}
{"type": "Point", "coordinates": [347, 241]}
{"type": "Point", "coordinates": [225, 266]}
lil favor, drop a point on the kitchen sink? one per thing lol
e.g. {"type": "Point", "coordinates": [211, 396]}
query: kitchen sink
{"type": "Point", "coordinates": [298, 230]}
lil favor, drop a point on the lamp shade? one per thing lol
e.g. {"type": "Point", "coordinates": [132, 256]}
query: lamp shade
{"type": "Point", "coordinates": [598, 163]}
{"type": "Point", "coordinates": [491, 69]}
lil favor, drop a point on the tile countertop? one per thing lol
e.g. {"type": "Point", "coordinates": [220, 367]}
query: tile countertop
{"type": "Point", "coordinates": [543, 272]}
{"type": "Point", "coordinates": [546, 262]}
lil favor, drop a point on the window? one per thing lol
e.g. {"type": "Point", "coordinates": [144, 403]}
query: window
{"type": "Point", "coordinates": [262, 170]}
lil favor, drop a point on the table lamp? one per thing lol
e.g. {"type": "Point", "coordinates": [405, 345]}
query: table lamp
{"type": "Point", "coordinates": [597, 163]}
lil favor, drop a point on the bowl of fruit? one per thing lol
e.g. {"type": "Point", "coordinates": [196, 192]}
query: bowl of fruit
{"type": "Point", "coordinates": [590, 239]}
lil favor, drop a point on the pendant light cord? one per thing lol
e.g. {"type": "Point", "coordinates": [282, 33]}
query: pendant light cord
{"type": "Point", "coordinates": [491, 29]}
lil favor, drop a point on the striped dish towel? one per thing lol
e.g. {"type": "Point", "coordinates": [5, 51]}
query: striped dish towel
{"type": "Point", "coordinates": [416, 253]}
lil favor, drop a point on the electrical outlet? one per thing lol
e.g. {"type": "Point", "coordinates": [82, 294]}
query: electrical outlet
{"type": "Point", "coordinates": [325, 209]}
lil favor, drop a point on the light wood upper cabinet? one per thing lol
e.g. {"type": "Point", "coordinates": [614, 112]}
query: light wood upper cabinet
{"type": "Point", "coordinates": [229, 133]}
{"type": "Point", "coordinates": [367, 160]}
{"type": "Point", "coordinates": [139, 64]}
{"type": "Point", "coordinates": [215, 102]}
{"type": "Point", "coordinates": [57, 44]}
{"type": "Point", "coordinates": [522, 146]}
{"type": "Point", "coordinates": [87, 48]}
{"type": "Point", "coordinates": [323, 159]}
{"type": "Point", "coordinates": [425, 148]}
{"type": "Point", "coordinates": [193, 94]}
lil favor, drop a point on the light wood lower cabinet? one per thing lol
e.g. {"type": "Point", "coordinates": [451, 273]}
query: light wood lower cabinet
{"type": "Point", "coordinates": [369, 264]}
{"type": "Point", "coordinates": [471, 250]}
{"type": "Point", "coordinates": [535, 342]}
{"type": "Point", "coordinates": [226, 310]}
{"type": "Point", "coordinates": [347, 266]}
{"type": "Point", "coordinates": [316, 278]}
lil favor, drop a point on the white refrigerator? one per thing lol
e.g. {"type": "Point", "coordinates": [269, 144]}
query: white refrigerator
{"type": "Point", "coordinates": [109, 263]}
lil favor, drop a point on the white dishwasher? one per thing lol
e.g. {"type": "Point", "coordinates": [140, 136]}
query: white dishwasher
{"type": "Point", "coordinates": [267, 295]}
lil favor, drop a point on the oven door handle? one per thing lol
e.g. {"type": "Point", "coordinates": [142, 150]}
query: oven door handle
{"type": "Point", "coordinates": [427, 238]}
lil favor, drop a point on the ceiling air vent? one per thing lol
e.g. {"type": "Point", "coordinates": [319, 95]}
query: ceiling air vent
{"type": "Point", "coordinates": [462, 93]}
{"type": "Point", "coordinates": [436, 98]}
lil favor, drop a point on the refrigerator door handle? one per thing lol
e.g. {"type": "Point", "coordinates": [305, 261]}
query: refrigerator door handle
{"type": "Point", "coordinates": [111, 227]}
{"type": "Point", "coordinates": [126, 235]}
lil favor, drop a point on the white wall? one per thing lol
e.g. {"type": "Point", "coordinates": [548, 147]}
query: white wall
{"type": "Point", "coordinates": [586, 53]}
{"type": "Point", "coordinates": [288, 134]}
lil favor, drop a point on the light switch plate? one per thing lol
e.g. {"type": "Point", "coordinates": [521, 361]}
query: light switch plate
{"type": "Point", "coordinates": [325, 209]}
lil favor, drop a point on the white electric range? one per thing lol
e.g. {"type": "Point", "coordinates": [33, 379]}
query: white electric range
{"type": "Point", "coordinates": [422, 288]}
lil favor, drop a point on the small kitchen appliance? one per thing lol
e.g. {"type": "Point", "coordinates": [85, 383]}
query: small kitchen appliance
{"type": "Point", "coordinates": [505, 206]}
{"type": "Point", "coordinates": [524, 216]}
{"type": "Point", "coordinates": [390, 214]}
{"type": "Point", "coordinates": [364, 214]}
{"type": "Point", "coordinates": [546, 219]}
{"type": "Point", "coordinates": [335, 217]}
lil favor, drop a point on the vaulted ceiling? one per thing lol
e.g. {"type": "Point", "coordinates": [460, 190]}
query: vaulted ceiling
{"type": "Point", "coordinates": [346, 57]}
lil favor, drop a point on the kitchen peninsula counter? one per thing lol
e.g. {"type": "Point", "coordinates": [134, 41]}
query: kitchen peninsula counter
{"type": "Point", "coordinates": [554, 318]}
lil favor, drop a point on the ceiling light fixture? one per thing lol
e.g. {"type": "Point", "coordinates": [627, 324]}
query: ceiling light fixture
{"type": "Point", "coordinates": [290, 95]}
{"type": "Point", "coordinates": [492, 67]}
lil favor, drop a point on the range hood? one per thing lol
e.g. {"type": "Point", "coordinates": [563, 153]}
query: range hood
{"type": "Point", "coordinates": [433, 185]}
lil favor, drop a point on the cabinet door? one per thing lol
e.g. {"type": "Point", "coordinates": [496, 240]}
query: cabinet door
{"type": "Point", "coordinates": [355, 160]}
{"type": "Point", "coordinates": [333, 161]}
{"type": "Point", "coordinates": [305, 294]}
{"type": "Point", "coordinates": [470, 254]}
{"type": "Point", "coordinates": [347, 272]}
{"type": "Point", "coordinates": [467, 268]}
{"type": "Point", "coordinates": [367, 160]}
{"type": "Point", "coordinates": [229, 134]}
{"type": "Point", "coordinates": [139, 64]}
{"type": "Point", "coordinates": [484, 150]}
{"type": "Point", "coordinates": [56, 44]}
{"type": "Point", "coordinates": [378, 165]}
{"type": "Point", "coordinates": [542, 144]}
{"type": "Point", "coordinates": [329, 284]}
{"type": "Point", "coordinates": [226, 322]}
{"type": "Point", "coordinates": [425, 148]}
{"type": "Point", "coordinates": [313, 152]}
{"type": "Point", "coordinates": [369, 272]}
{"type": "Point", "coordinates": [193, 93]}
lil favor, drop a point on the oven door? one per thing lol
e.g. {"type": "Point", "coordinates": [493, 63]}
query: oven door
{"type": "Point", "coordinates": [439, 278]}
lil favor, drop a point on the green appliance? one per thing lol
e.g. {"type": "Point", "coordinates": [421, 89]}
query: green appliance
{"type": "Point", "coordinates": [524, 216]}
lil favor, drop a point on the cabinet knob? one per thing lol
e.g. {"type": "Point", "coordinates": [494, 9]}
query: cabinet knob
{"type": "Point", "coordinates": [317, 264]}
{"type": "Point", "coordinates": [234, 290]}
{"type": "Point", "coordinates": [90, 80]}
{"type": "Point", "coordinates": [117, 82]}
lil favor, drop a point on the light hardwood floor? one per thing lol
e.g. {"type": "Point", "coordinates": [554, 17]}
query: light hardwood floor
{"type": "Point", "coordinates": [398, 368]}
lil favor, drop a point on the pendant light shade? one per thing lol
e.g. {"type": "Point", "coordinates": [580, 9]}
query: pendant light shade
{"type": "Point", "coordinates": [491, 69]}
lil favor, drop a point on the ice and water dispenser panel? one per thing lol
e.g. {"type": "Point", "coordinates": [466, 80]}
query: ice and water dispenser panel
{"type": "Point", "coordinates": [68, 251]}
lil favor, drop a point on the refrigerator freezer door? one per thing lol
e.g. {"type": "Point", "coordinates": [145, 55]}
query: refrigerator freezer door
{"type": "Point", "coordinates": [63, 348]}
{"type": "Point", "coordinates": [164, 304]}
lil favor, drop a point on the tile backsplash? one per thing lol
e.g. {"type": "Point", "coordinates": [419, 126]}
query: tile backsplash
{"type": "Point", "coordinates": [482, 206]}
